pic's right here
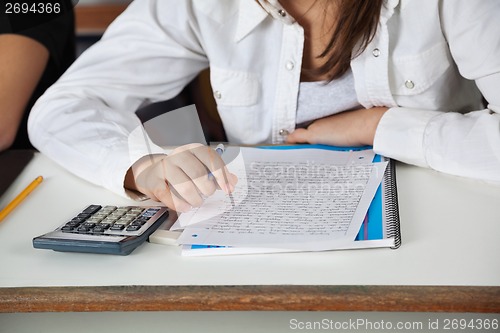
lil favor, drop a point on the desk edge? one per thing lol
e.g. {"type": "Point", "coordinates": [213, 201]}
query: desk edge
{"type": "Point", "coordinates": [458, 299]}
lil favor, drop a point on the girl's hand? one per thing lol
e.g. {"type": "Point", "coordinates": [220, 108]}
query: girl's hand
{"type": "Point", "coordinates": [181, 179]}
{"type": "Point", "coordinates": [349, 128]}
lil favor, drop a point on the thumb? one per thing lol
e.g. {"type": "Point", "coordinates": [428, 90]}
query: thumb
{"type": "Point", "coordinates": [300, 135]}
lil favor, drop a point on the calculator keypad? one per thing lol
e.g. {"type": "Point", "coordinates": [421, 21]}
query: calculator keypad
{"type": "Point", "coordinates": [110, 220]}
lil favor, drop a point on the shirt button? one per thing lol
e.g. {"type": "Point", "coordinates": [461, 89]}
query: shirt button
{"type": "Point", "coordinates": [376, 53]}
{"type": "Point", "coordinates": [217, 94]}
{"type": "Point", "coordinates": [283, 132]}
{"type": "Point", "coordinates": [290, 65]}
{"type": "Point", "coordinates": [409, 84]}
{"type": "Point", "coordinates": [282, 13]}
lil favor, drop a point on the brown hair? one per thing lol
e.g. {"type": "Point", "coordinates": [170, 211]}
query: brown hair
{"type": "Point", "coordinates": [354, 29]}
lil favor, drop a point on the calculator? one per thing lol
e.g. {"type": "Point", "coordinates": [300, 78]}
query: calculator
{"type": "Point", "coordinates": [106, 230]}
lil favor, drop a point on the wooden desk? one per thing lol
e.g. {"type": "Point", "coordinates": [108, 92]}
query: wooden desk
{"type": "Point", "coordinates": [94, 19]}
{"type": "Point", "coordinates": [448, 261]}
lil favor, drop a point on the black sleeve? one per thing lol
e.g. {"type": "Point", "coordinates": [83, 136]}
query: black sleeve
{"type": "Point", "coordinates": [57, 34]}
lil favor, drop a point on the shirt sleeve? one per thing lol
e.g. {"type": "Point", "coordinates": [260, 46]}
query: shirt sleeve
{"type": "Point", "coordinates": [460, 144]}
{"type": "Point", "coordinates": [85, 122]}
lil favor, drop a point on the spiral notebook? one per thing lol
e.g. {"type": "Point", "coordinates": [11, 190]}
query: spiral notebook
{"type": "Point", "coordinates": [380, 227]}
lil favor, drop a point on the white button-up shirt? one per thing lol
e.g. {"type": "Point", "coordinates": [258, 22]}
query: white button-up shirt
{"type": "Point", "coordinates": [429, 61]}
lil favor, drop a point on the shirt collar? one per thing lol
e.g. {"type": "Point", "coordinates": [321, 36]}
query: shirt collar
{"type": "Point", "coordinates": [388, 10]}
{"type": "Point", "coordinates": [276, 10]}
{"type": "Point", "coordinates": [253, 12]}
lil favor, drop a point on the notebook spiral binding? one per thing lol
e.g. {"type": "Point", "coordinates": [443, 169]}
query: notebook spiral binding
{"type": "Point", "coordinates": [391, 205]}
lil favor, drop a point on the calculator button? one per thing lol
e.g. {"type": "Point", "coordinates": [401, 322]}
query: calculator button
{"type": "Point", "coordinates": [108, 209]}
{"type": "Point", "coordinates": [83, 230]}
{"type": "Point", "coordinates": [67, 228]}
{"type": "Point", "coordinates": [82, 216]}
{"type": "Point", "coordinates": [99, 215]}
{"type": "Point", "coordinates": [98, 229]}
{"type": "Point", "coordinates": [73, 223]}
{"type": "Point", "coordinates": [133, 227]}
{"type": "Point", "coordinates": [109, 220]}
{"type": "Point", "coordinates": [125, 220]}
{"type": "Point", "coordinates": [150, 212]}
{"type": "Point", "coordinates": [91, 209]}
{"type": "Point", "coordinates": [138, 223]}
{"type": "Point", "coordinates": [116, 215]}
{"type": "Point", "coordinates": [94, 220]}
{"type": "Point", "coordinates": [117, 227]}
{"type": "Point", "coordinates": [132, 214]}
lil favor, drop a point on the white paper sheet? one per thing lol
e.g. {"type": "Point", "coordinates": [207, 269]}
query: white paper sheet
{"type": "Point", "coordinates": [304, 199]}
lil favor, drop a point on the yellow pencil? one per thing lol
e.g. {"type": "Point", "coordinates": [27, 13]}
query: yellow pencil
{"type": "Point", "coordinates": [20, 197]}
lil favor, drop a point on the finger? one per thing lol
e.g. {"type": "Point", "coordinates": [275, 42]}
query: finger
{"type": "Point", "coordinates": [221, 175]}
{"type": "Point", "coordinates": [160, 192]}
{"type": "Point", "coordinates": [196, 171]}
{"type": "Point", "coordinates": [197, 161]}
{"type": "Point", "coordinates": [179, 204]}
{"type": "Point", "coordinates": [155, 182]}
{"type": "Point", "coordinates": [300, 135]}
{"type": "Point", "coordinates": [187, 147]}
{"type": "Point", "coordinates": [205, 185]}
{"type": "Point", "coordinates": [181, 185]}
{"type": "Point", "coordinates": [170, 199]}
{"type": "Point", "coordinates": [232, 180]}
{"type": "Point", "coordinates": [216, 166]}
